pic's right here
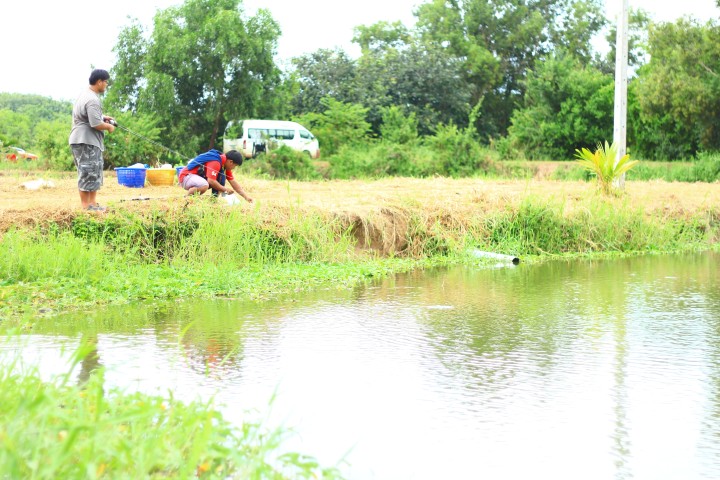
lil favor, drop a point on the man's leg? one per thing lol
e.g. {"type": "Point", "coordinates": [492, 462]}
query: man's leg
{"type": "Point", "coordinates": [86, 199]}
{"type": "Point", "coordinates": [89, 163]}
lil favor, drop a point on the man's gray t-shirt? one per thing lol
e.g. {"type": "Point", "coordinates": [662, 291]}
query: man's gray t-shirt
{"type": "Point", "coordinates": [87, 113]}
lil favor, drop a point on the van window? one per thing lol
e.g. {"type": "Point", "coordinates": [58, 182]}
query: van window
{"type": "Point", "coordinates": [257, 133]}
{"type": "Point", "coordinates": [286, 134]}
{"type": "Point", "coordinates": [272, 133]}
{"type": "Point", "coordinates": [305, 134]}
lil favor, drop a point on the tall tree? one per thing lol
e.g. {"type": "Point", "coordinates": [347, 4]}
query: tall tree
{"type": "Point", "coordinates": [323, 73]}
{"type": "Point", "coordinates": [679, 90]}
{"type": "Point", "coordinates": [567, 106]}
{"type": "Point", "coordinates": [499, 41]}
{"type": "Point", "coordinates": [638, 26]}
{"type": "Point", "coordinates": [204, 63]}
{"type": "Point", "coordinates": [422, 80]}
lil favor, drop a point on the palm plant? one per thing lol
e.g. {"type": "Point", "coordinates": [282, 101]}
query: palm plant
{"type": "Point", "coordinates": [602, 164]}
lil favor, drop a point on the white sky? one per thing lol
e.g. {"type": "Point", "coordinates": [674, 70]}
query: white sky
{"type": "Point", "coordinates": [47, 47]}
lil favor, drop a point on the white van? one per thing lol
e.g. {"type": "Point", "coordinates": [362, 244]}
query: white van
{"type": "Point", "coordinates": [252, 137]}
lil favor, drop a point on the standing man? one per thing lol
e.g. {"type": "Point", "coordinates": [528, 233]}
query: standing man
{"type": "Point", "coordinates": [209, 170]}
{"type": "Point", "coordinates": [86, 139]}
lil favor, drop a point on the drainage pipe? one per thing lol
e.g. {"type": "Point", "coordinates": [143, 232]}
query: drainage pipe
{"type": "Point", "coordinates": [496, 256]}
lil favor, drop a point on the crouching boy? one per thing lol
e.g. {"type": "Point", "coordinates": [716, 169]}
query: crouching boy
{"type": "Point", "coordinates": [210, 170]}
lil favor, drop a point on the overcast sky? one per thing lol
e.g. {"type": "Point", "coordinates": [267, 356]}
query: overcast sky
{"type": "Point", "coordinates": [47, 47]}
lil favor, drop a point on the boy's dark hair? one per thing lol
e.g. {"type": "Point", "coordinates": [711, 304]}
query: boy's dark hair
{"type": "Point", "coordinates": [235, 156]}
{"type": "Point", "coordinates": [98, 74]}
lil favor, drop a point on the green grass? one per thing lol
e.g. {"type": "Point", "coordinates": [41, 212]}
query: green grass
{"type": "Point", "coordinates": [56, 429]}
{"type": "Point", "coordinates": [545, 228]}
{"type": "Point", "coordinates": [705, 169]}
{"type": "Point", "coordinates": [127, 256]}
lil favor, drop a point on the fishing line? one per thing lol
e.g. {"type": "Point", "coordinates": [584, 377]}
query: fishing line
{"type": "Point", "coordinates": [152, 141]}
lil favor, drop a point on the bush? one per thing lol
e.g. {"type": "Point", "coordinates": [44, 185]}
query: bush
{"type": "Point", "coordinates": [284, 162]}
{"type": "Point", "coordinates": [123, 148]}
{"type": "Point", "coordinates": [397, 127]}
{"type": "Point", "coordinates": [339, 125]}
{"type": "Point", "coordinates": [52, 142]}
{"type": "Point", "coordinates": [458, 152]}
{"type": "Point", "coordinates": [707, 167]}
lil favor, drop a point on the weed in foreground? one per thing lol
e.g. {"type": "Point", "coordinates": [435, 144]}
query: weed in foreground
{"type": "Point", "coordinates": [60, 430]}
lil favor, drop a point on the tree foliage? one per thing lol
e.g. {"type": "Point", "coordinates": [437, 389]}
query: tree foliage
{"type": "Point", "coordinates": [381, 36]}
{"type": "Point", "coordinates": [679, 90]}
{"type": "Point", "coordinates": [420, 80]}
{"type": "Point", "coordinates": [204, 63]}
{"type": "Point", "coordinates": [24, 117]}
{"type": "Point", "coordinates": [339, 124]}
{"type": "Point", "coordinates": [567, 106]}
{"type": "Point", "coordinates": [638, 25]}
{"type": "Point", "coordinates": [500, 41]}
{"type": "Point", "coordinates": [323, 73]}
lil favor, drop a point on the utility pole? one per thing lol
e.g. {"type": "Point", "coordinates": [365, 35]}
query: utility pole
{"type": "Point", "coordinates": [621, 84]}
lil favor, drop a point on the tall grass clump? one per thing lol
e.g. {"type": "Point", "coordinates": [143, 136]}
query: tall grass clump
{"type": "Point", "coordinates": [539, 228]}
{"type": "Point", "coordinates": [269, 237]}
{"type": "Point", "coordinates": [449, 153]}
{"type": "Point", "coordinates": [707, 167]}
{"type": "Point", "coordinates": [152, 236]}
{"type": "Point", "coordinates": [28, 257]}
{"type": "Point", "coordinates": [60, 429]}
{"type": "Point", "coordinates": [284, 163]}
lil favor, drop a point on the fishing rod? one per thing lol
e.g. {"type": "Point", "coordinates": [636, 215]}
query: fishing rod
{"type": "Point", "coordinates": [115, 124]}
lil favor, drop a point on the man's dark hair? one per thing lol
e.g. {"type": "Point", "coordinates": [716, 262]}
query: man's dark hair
{"type": "Point", "coordinates": [235, 156]}
{"type": "Point", "coordinates": [98, 74]}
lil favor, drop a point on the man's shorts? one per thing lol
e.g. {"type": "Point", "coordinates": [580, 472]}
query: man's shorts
{"type": "Point", "coordinates": [191, 180]}
{"type": "Point", "coordinates": [89, 164]}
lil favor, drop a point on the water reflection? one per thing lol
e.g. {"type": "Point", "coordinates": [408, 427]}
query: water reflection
{"type": "Point", "coordinates": [591, 369]}
{"type": "Point", "coordinates": [91, 360]}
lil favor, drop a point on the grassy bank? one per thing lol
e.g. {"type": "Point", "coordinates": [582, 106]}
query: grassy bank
{"type": "Point", "coordinates": [175, 248]}
{"type": "Point", "coordinates": [198, 250]}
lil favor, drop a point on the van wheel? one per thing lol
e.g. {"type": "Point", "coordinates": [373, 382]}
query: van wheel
{"type": "Point", "coordinates": [308, 154]}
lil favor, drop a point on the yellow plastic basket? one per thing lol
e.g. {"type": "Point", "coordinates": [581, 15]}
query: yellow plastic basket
{"type": "Point", "coordinates": [161, 176]}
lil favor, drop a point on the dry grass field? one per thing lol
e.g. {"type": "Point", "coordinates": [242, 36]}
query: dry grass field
{"type": "Point", "coordinates": [23, 207]}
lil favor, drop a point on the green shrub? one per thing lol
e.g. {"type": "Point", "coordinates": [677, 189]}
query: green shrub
{"type": "Point", "coordinates": [383, 158]}
{"type": "Point", "coordinates": [459, 152]}
{"type": "Point", "coordinates": [339, 125]}
{"type": "Point", "coordinates": [397, 127]}
{"type": "Point", "coordinates": [52, 142]}
{"type": "Point", "coordinates": [284, 162]}
{"type": "Point", "coordinates": [707, 167]}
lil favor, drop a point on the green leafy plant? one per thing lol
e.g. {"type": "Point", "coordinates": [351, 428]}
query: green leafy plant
{"type": "Point", "coordinates": [602, 164]}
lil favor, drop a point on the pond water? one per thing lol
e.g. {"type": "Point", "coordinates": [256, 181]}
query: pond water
{"type": "Point", "coordinates": [564, 370]}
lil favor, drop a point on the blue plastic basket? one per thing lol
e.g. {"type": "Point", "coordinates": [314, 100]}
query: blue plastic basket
{"type": "Point", "coordinates": [131, 177]}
